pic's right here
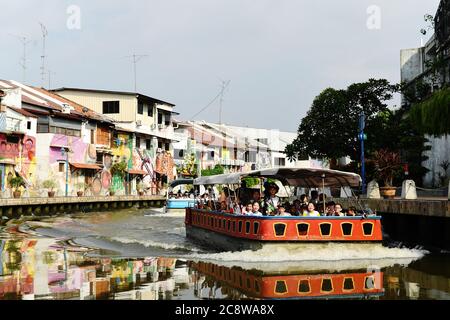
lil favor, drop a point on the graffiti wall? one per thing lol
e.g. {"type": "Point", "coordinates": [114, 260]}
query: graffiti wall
{"type": "Point", "coordinates": [17, 155]}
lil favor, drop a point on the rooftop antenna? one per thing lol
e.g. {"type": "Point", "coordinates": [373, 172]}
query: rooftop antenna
{"type": "Point", "coordinates": [44, 36]}
{"type": "Point", "coordinates": [50, 73]}
{"type": "Point", "coordinates": [224, 86]}
{"type": "Point", "coordinates": [135, 59]}
{"type": "Point", "coordinates": [23, 61]}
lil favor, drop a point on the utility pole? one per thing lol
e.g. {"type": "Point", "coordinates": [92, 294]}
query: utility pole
{"type": "Point", "coordinates": [23, 61]}
{"type": "Point", "coordinates": [135, 59]}
{"type": "Point", "coordinates": [44, 36]}
{"type": "Point", "coordinates": [362, 137]}
{"type": "Point", "coordinates": [225, 85]}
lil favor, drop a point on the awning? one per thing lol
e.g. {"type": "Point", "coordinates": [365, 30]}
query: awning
{"type": "Point", "coordinates": [86, 166]}
{"type": "Point", "coordinates": [138, 172]}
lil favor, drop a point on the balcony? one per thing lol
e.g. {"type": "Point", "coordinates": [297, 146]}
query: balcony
{"type": "Point", "coordinates": [12, 125]}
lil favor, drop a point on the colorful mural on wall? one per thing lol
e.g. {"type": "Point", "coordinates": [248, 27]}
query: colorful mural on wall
{"type": "Point", "coordinates": [17, 155]}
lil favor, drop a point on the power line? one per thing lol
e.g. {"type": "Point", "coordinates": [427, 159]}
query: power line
{"type": "Point", "coordinates": [225, 84]}
{"type": "Point", "coordinates": [23, 61]}
{"type": "Point", "coordinates": [136, 58]}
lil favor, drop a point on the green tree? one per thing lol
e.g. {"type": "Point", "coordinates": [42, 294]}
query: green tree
{"type": "Point", "coordinates": [330, 127]}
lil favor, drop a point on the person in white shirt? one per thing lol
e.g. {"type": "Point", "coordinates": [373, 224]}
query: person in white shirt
{"type": "Point", "coordinates": [338, 210]}
{"type": "Point", "coordinates": [312, 211]}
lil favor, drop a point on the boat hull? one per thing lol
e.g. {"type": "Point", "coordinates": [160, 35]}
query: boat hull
{"type": "Point", "coordinates": [237, 232]}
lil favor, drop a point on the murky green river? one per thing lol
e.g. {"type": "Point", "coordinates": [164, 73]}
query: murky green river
{"type": "Point", "coordinates": [144, 255]}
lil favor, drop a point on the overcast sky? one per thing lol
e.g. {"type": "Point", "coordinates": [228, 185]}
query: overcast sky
{"type": "Point", "coordinates": [278, 54]}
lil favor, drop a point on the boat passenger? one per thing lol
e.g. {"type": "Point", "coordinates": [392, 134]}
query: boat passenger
{"type": "Point", "coordinates": [272, 201]}
{"type": "Point", "coordinates": [223, 206]}
{"type": "Point", "coordinates": [351, 212]}
{"type": "Point", "coordinates": [329, 210]}
{"type": "Point", "coordinates": [312, 211]}
{"type": "Point", "coordinates": [248, 208]}
{"type": "Point", "coordinates": [304, 210]}
{"type": "Point", "coordinates": [282, 211]}
{"type": "Point", "coordinates": [255, 211]}
{"type": "Point", "coordinates": [338, 210]}
{"type": "Point", "coordinates": [303, 199]}
{"type": "Point", "coordinates": [314, 197]}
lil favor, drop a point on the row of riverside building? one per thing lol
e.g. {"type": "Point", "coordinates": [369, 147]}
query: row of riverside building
{"type": "Point", "coordinates": [98, 142]}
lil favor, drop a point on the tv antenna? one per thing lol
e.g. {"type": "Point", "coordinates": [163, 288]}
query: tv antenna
{"type": "Point", "coordinates": [135, 59]}
{"type": "Point", "coordinates": [23, 60]}
{"type": "Point", "coordinates": [44, 37]}
{"type": "Point", "coordinates": [224, 87]}
{"type": "Point", "coordinates": [50, 73]}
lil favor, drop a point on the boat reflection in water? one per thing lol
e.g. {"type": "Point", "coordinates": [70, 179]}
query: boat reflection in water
{"type": "Point", "coordinates": [237, 283]}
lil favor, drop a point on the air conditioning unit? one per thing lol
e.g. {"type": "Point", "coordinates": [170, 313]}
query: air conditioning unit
{"type": "Point", "coordinates": [161, 126]}
{"type": "Point", "coordinates": [153, 126]}
{"type": "Point", "coordinates": [139, 123]}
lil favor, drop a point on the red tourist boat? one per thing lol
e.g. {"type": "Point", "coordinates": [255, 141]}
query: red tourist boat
{"type": "Point", "coordinates": [235, 232]}
{"type": "Point", "coordinates": [294, 284]}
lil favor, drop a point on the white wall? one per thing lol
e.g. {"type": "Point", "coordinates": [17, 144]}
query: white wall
{"type": "Point", "coordinates": [440, 151]}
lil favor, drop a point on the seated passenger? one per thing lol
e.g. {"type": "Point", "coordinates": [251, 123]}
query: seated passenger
{"type": "Point", "coordinates": [248, 208]}
{"type": "Point", "coordinates": [223, 206]}
{"type": "Point", "coordinates": [296, 208]}
{"type": "Point", "coordinates": [282, 211]}
{"type": "Point", "coordinates": [304, 210]}
{"type": "Point", "coordinates": [303, 199]}
{"type": "Point", "coordinates": [351, 212]}
{"type": "Point", "coordinates": [338, 210]}
{"type": "Point", "coordinates": [255, 211]}
{"type": "Point", "coordinates": [329, 210]}
{"type": "Point", "coordinates": [312, 211]}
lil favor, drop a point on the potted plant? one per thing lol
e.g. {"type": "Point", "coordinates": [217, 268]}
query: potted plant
{"type": "Point", "coordinates": [81, 187]}
{"type": "Point", "coordinates": [387, 165]}
{"type": "Point", "coordinates": [112, 192]}
{"type": "Point", "coordinates": [16, 183]}
{"type": "Point", "coordinates": [50, 185]}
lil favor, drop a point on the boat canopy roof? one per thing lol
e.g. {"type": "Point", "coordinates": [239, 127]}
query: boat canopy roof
{"type": "Point", "coordinates": [303, 177]}
{"type": "Point", "coordinates": [180, 182]}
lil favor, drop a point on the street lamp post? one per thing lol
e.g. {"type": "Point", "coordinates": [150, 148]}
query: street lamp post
{"type": "Point", "coordinates": [362, 136]}
{"type": "Point", "coordinates": [66, 154]}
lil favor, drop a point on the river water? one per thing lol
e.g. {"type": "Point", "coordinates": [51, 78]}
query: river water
{"type": "Point", "coordinates": [144, 255]}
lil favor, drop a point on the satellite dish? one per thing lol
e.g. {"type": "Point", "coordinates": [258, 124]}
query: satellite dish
{"type": "Point", "coordinates": [85, 109]}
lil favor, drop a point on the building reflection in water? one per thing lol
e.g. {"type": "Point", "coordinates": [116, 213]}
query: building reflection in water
{"type": "Point", "coordinates": [42, 269]}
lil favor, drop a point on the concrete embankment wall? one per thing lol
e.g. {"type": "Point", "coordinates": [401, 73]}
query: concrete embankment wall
{"type": "Point", "coordinates": [14, 208]}
{"type": "Point", "coordinates": [415, 222]}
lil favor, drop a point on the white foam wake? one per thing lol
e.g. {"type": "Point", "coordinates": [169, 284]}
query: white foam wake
{"type": "Point", "coordinates": [316, 252]}
{"type": "Point", "coordinates": [154, 244]}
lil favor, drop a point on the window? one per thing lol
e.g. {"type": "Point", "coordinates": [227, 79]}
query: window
{"type": "Point", "coordinates": [167, 146]}
{"type": "Point", "coordinates": [211, 155]}
{"type": "Point", "coordinates": [99, 158]}
{"type": "Point", "coordinates": [150, 110]}
{"type": "Point", "coordinates": [12, 139]}
{"type": "Point", "coordinates": [325, 229]}
{"type": "Point", "coordinates": [92, 136]}
{"type": "Point", "coordinates": [160, 118]}
{"type": "Point", "coordinates": [302, 229]}
{"type": "Point", "coordinates": [280, 229]}
{"type": "Point", "coordinates": [167, 120]}
{"type": "Point", "coordinates": [304, 287]}
{"type": "Point", "coordinates": [247, 227]}
{"type": "Point", "coordinates": [160, 144]}
{"type": "Point", "coordinates": [250, 156]}
{"type": "Point", "coordinates": [138, 142]}
{"type": "Point", "coordinates": [280, 162]}
{"type": "Point", "coordinates": [28, 125]}
{"type": "Point", "coordinates": [179, 154]}
{"type": "Point", "coordinates": [148, 144]}
{"type": "Point", "coordinates": [368, 229]}
{"type": "Point", "coordinates": [140, 108]}
{"type": "Point", "coordinates": [327, 285]}
{"type": "Point", "coordinates": [42, 128]}
{"type": "Point", "coordinates": [280, 287]}
{"type": "Point", "coordinates": [111, 107]}
{"type": "Point", "coordinates": [255, 227]}
{"type": "Point", "coordinates": [66, 132]}
{"type": "Point", "coordinates": [348, 284]}
{"type": "Point", "coordinates": [62, 167]}
{"type": "Point", "coordinates": [347, 228]}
